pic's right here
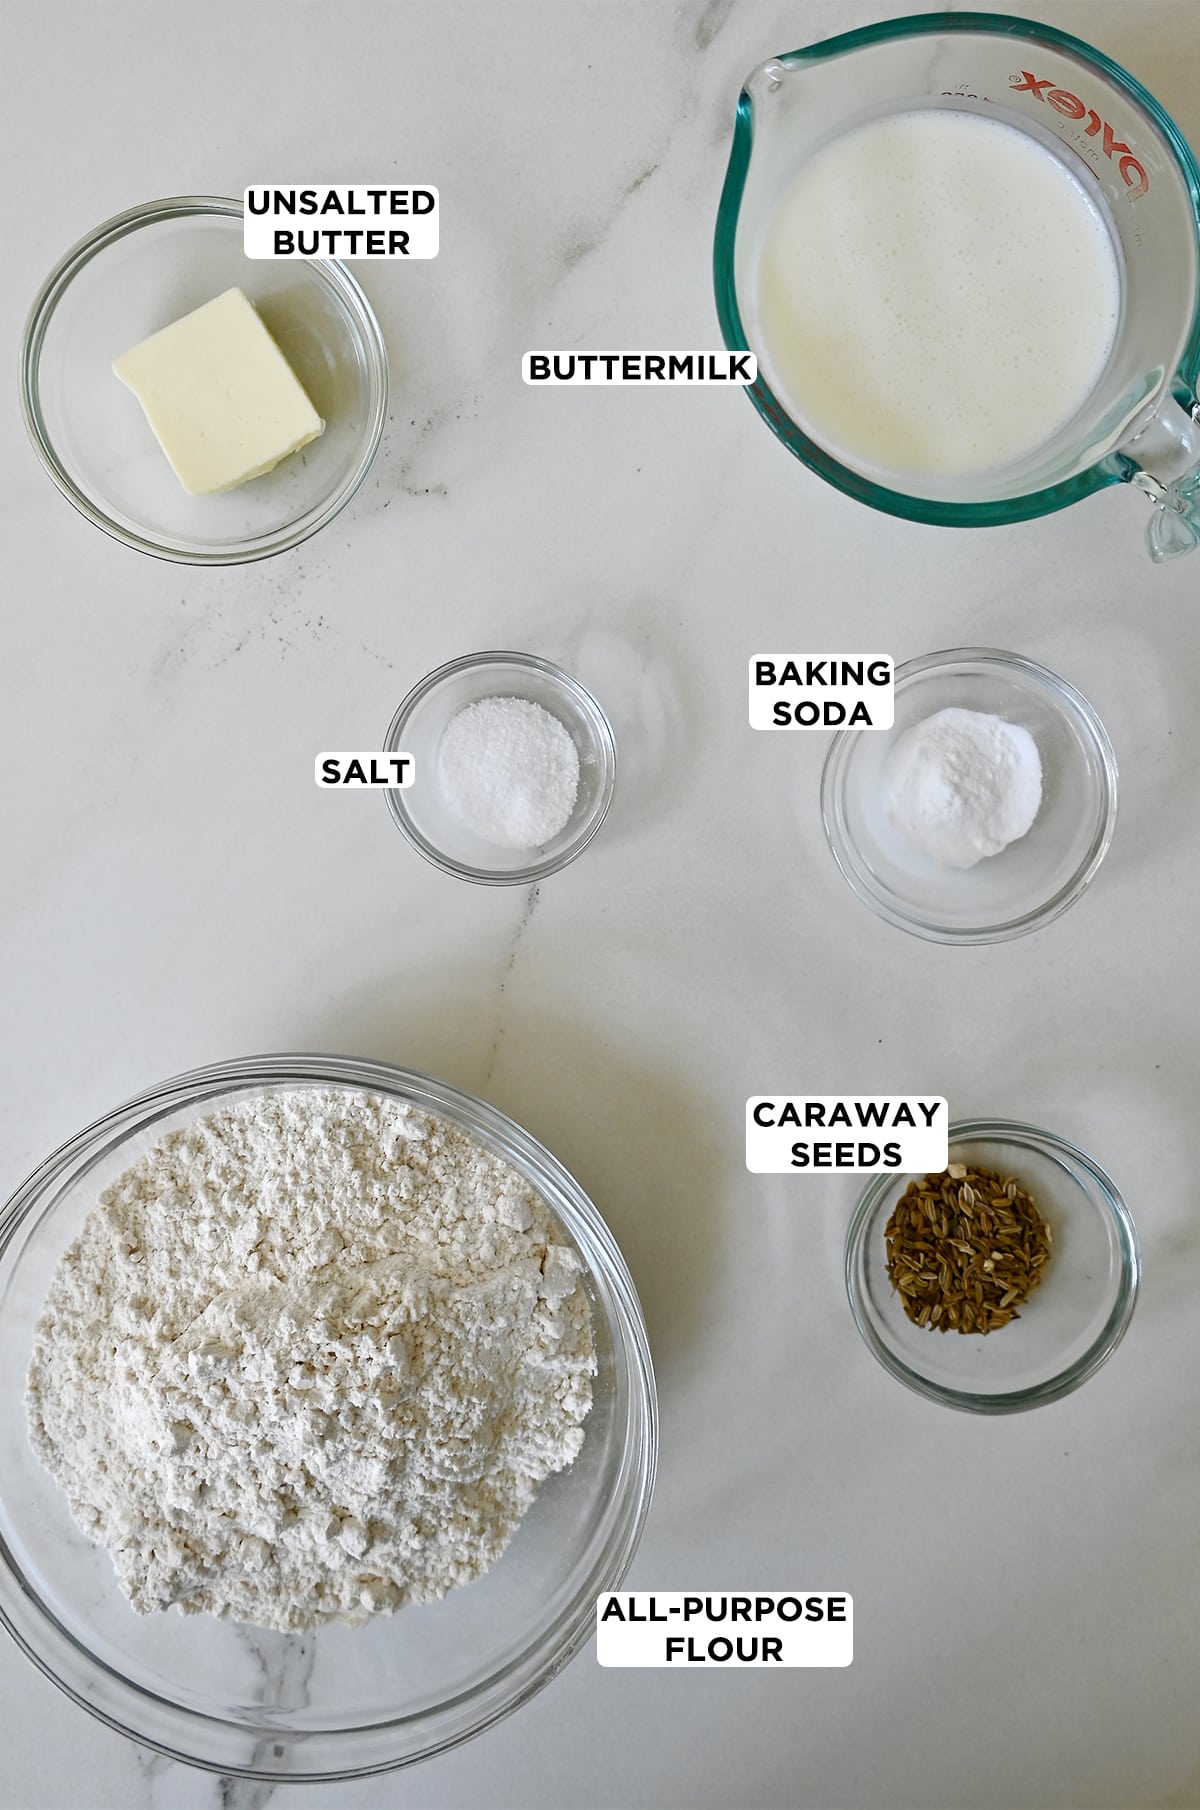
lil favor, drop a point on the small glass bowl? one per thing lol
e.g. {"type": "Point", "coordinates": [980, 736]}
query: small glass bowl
{"type": "Point", "coordinates": [1034, 879]}
{"type": "Point", "coordinates": [1071, 1322]}
{"type": "Point", "coordinates": [335, 1702]}
{"type": "Point", "coordinates": [139, 272]}
{"type": "Point", "coordinates": [417, 728]}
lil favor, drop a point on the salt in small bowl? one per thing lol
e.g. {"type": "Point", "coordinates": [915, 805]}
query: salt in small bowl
{"type": "Point", "coordinates": [422, 812]}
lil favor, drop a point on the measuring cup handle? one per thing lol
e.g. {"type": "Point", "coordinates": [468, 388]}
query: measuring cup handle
{"type": "Point", "coordinates": [1174, 528]}
{"type": "Point", "coordinates": [1165, 460]}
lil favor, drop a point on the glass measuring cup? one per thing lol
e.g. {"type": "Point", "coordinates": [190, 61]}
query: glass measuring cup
{"type": "Point", "coordinates": [1141, 423]}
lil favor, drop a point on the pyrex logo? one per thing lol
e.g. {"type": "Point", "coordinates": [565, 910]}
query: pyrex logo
{"type": "Point", "coordinates": [1063, 101]}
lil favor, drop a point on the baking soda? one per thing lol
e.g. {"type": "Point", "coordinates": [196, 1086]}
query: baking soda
{"type": "Point", "coordinates": [962, 785]}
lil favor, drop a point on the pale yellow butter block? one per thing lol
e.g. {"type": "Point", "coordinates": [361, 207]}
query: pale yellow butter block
{"type": "Point", "coordinates": [222, 399]}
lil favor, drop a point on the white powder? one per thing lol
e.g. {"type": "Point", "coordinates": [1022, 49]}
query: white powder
{"type": "Point", "coordinates": [309, 1359]}
{"type": "Point", "coordinates": [510, 771]}
{"type": "Point", "coordinates": [962, 785]}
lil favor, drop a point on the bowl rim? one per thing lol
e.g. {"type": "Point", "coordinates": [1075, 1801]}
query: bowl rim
{"type": "Point", "coordinates": [534, 871]}
{"type": "Point", "coordinates": [1010, 1401]}
{"type": "Point", "coordinates": [51, 293]}
{"type": "Point", "coordinates": [845, 852]}
{"type": "Point", "coordinates": [543, 1657]}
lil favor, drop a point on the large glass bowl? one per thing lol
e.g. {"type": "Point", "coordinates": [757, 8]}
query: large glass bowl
{"type": "Point", "coordinates": [335, 1702]}
{"type": "Point", "coordinates": [1072, 1322]}
{"type": "Point", "coordinates": [141, 271]}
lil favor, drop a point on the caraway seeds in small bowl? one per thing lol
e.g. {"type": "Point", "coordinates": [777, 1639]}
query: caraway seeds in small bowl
{"type": "Point", "coordinates": [966, 1248]}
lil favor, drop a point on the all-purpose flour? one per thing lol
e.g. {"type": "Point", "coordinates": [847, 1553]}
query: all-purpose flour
{"type": "Point", "coordinates": [310, 1359]}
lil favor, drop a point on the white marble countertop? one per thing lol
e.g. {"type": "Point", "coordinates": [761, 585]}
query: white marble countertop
{"type": "Point", "coordinates": [176, 891]}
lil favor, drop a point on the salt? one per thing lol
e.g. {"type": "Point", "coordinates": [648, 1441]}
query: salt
{"type": "Point", "coordinates": [962, 785]}
{"type": "Point", "coordinates": [509, 770]}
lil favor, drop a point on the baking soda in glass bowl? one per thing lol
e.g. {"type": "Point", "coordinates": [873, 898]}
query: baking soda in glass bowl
{"type": "Point", "coordinates": [1039, 873]}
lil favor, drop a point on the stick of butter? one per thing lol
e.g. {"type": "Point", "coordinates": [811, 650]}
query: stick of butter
{"type": "Point", "coordinates": [224, 403]}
